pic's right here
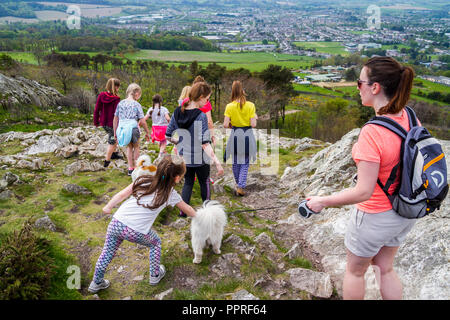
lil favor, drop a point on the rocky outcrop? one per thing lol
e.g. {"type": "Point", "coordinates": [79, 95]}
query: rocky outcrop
{"type": "Point", "coordinates": [20, 90]}
{"type": "Point", "coordinates": [422, 262]}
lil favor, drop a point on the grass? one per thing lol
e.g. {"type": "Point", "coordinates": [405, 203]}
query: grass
{"type": "Point", "coordinates": [79, 220]}
{"type": "Point", "coordinates": [22, 119]}
{"type": "Point", "coordinates": [254, 61]}
{"type": "Point", "coordinates": [330, 47]}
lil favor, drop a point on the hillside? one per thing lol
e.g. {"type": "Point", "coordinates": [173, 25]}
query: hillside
{"type": "Point", "coordinates": [264, 252]}
{"type": "Point", "coordinates": [56, 178]}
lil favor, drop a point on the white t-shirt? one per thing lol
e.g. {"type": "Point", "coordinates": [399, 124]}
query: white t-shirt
{"type": "Point", "coordinates": [161, 119]}
{"type": "Point", "coordinates": [140, 218]}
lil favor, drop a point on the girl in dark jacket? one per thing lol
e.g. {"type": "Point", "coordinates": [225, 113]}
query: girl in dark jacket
{"type": "Point", "coordinates": [104, 114]}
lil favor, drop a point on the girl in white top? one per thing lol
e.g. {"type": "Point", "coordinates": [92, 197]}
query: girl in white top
{"type": "Point", "coordinates": [147, 197]}
{"type": "Point", "coordinates": [160, 121]}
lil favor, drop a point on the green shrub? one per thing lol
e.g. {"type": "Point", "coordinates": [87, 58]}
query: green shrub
{"type": "Point", "coordinates": [25, 265]}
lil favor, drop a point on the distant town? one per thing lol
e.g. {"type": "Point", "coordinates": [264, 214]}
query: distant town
{"type": "Point", "coordinates": [295, 31]}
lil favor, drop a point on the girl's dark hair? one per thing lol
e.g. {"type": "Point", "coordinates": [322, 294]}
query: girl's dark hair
{"type": "Point", "coordinates": [198, 90]}
{"type": "Point", "coordinates": [157, 99]}
{"type": "Point", "coordinates": [237, 93]}
{"type": "Point", "coordinates": [396, 80]}
{"type": "Point", "coordinates": [161, 184]}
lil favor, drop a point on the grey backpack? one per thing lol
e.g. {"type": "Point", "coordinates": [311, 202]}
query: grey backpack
{"type": "Point", "coordinates": [423, 185]}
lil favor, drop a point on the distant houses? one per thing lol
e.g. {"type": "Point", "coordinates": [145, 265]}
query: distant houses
{"type": "Point", "coordinates": [328, 77]}
{"type": "Point", "coordinates": [437, 79]}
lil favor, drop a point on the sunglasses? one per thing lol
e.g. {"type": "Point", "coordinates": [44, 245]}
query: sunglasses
{"type": "Point", "coordinates": [360, 82]}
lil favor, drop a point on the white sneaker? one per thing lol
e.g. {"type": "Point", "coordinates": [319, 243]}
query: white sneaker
{"type": "Point", "coordinates": [155, 280]}
{"type": "Point", "coordinates": [94, 288]}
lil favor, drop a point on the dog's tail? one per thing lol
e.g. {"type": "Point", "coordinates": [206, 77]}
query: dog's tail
{"type": "Point", "coordinates": [211, 216]}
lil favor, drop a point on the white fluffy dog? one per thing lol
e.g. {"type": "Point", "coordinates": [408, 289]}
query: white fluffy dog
{"type": "Point", "coordinates": [144, 167]}
{"type": "Point", "coordinates": [207, 228]}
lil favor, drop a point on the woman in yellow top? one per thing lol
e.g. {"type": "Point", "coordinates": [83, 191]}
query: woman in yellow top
{"type": "Point", "coordinates": [240, 116]}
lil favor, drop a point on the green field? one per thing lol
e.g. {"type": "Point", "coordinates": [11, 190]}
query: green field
{"type": "Point", "coordinates": [254, 61]}
{"type": "Point", "coordinates": [22, 57]}
{"type": "Point", "coordinates": [329, 47]}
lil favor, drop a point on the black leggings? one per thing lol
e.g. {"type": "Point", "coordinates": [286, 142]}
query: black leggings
{"type": "Point", "coordinates": [202, 173]}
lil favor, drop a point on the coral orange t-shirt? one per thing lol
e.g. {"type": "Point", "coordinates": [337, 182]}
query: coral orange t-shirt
{"type": "Point", "coordinates": [380, 145]}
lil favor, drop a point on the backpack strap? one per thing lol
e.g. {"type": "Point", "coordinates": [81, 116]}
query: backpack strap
{"type": "Point", "coordinates": [412, 117]}
{"type": "Point", "coordinates": [401, 132]}
{"type": "Point", "coordinates": [389, 124]}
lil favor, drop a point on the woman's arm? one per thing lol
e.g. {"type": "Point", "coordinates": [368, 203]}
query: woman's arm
{"type": "Point", "coordinates": [115, 124]}
{"type": "Point", "coordinates": [367, 180]}
{"type": "Point", "coordinates": [167, 117]}
{"type": "Point", "coordinates": [118, 198]}
{"type": "Point", "coordinates": [210, 152]}
{"type": "Point", "coordinates": [226, 122]}
{"type": "Point", "coordinates": [211, 126]}
{"type": "Point", "coordinates": [183, 206]}
{"type": "Point", "coordinates": [143, 123]}
{"type": "Point", "coordinates": [253, 121]}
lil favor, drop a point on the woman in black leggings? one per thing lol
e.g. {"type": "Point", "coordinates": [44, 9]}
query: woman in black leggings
{"type": "Point", "coordinates": [194, 144]}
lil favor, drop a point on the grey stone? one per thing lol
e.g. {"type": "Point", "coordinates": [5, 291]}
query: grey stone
{"type": "Point", "coordinates": [82, 166]}
{"type": "Point", "coordinates": [19, 90]}
{"type": "Point", "coordinates": [162, 295]}
{"type": "Point", "coordinates": [243, 295]}
{"type": "Point", "coordinates": [179, 223]}
{"type": "Point", "coordinates": [10, 178]}
{"type": "Point", "coordinates": [76, 189]}
{"type": "Point", "coordinates": [316, 283]}
{"type": "Point", "coordinates": [45, 223]}
{"type": "Point", "coordinates": [6, 195]}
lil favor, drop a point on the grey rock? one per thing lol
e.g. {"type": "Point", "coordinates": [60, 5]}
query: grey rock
{"type": "Point", "coordinates": [6, 195]}
{"type": "Point", "coordinates": [76, 189]}
{"type": "Point", "coordinates": [236, 242]}
{"type": "Point", "coordinates": [179, 223]}
{"type": "Point", "coordinates": [316, 283]}
{"type": "Point", "coordinates": [162, 295]}
{"type": "Point", "coordinates": [45, 223]}
{"type": "Point", "coordinates": [19, 90]}
{"type": "Point", "coordinates": [3, 184]}
{"type": "Point", "coordinates": [67, 151]}
{"type": "Point", "coordinates": [294, 252]}
{"type": "Point", "coordinates": [265, 243]}
{"type": "Point", "coordinates": [82, 166]}
{"type": "Point", "coordinates": [243, 295]}
{"type": "Point", "coordinates": [228, 265]}
{"type": "Point", "coordinates": [47, 144]}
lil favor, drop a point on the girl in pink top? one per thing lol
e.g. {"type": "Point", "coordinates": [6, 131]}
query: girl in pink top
{"type": "Point", "coordinates": [375, 231]}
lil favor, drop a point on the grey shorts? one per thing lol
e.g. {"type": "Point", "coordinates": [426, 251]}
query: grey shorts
{"type": "Point", "coordinates": [367, 233]}
{"type": "Point", "coordinates": [136, 134]}
{"type": "Point", "coordinates": [110, 132]}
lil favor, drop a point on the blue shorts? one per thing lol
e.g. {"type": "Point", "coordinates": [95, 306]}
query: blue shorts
{"type": "Point", "coordinates": [367, 233]}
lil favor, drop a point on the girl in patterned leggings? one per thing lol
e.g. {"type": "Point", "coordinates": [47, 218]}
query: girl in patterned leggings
{"type": "Point", "coordinates": [147, 197]}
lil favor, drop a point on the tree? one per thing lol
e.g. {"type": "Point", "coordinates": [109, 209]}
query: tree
{"type": "Point", "coordinates": [278, 80]}
{"type": "Point", "coordinates": [64, 75]}
{"type": "Point", "coordinates": [351, 75]}
{"type": "Point", "coordinates": [213, 75]}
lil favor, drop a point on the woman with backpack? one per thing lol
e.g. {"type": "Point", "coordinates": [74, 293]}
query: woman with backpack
{"type": "Point", "coordinates": [375, 231]}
